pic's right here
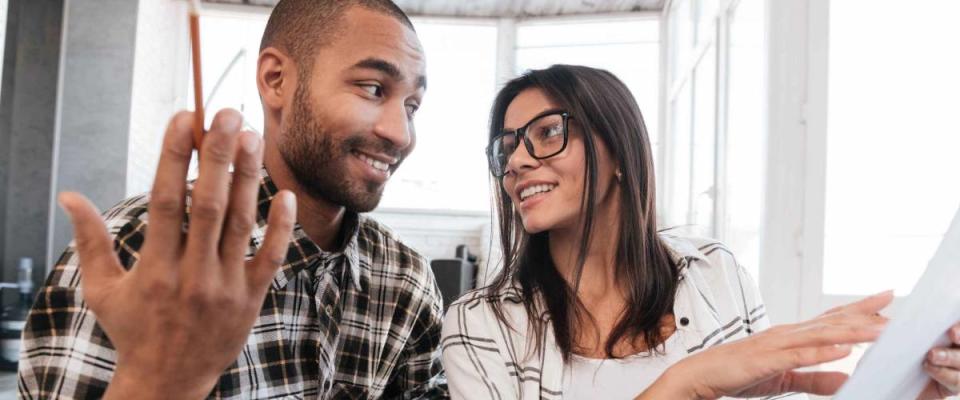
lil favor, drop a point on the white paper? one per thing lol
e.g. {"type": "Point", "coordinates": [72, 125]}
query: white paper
{"type": "Point", "coordinates": [892, 368]}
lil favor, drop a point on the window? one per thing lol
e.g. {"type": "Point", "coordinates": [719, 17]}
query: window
{"type": "Point", "coordinates": [892, 142]}
{"type": "Point", "coordinates": [229, 45]}
{"type": "Point", "coordinates": [704, 162]}
{"type": "Point", "coordinates": [448, 169]}
{"type": "Point", "coordinates": [716, 132]}
{"type": "Point", "coordinates": [745, 133]}
{"type": "Point", "coordinates": [690, 182]}
{"type": "Point", "coordinates": [678, 181]}
{"type": "Point", "coordinates": [681, 37]}
{"type": "Point", "coordinates": [627, 47]}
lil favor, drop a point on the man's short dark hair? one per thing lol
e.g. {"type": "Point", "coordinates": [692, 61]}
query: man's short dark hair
{"type": "Point", "coordinates": [301, 27]}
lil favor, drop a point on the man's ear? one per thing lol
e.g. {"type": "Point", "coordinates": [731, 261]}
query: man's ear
{"type": "Point", "coordinates": [276, 76]}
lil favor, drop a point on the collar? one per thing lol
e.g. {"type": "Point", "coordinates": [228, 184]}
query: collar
{"type": "Point", "coordinates": [301, 251]}
{"type": "Point", "coordinates": [681, 251]}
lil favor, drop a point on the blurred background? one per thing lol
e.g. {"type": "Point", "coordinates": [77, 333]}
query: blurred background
{"type": "Point", "coordinates": [817, 138]}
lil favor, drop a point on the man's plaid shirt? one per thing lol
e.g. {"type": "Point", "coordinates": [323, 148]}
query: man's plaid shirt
{"type": "Point", "coordinates": [363, 322]}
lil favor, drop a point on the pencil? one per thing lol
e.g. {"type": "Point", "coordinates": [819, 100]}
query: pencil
{"type": "Point", "coordinates": [197, 83]}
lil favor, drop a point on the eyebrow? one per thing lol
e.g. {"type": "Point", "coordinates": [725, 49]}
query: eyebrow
{"type": "Point", "coordinates": [548, 111]}
{"type": "Point", "coordinates": [388, 68]}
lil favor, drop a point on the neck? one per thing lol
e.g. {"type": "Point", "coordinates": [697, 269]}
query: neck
{"type": "Point", "coordinates": [319, 219]}
{"type": "Point", "coordinates": [598, 278]}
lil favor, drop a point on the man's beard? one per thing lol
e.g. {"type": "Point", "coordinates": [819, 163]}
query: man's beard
{"type": "Point", "coordinates": [319, 161]}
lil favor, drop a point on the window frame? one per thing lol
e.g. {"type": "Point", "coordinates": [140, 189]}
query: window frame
{"type": "Point", "coordinates": [673, 85]}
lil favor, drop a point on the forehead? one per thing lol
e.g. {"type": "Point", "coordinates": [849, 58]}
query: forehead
{"type": "Point", "coordinates": [368, 34]}
{"type": "Point", "coordinates": [527, 105]}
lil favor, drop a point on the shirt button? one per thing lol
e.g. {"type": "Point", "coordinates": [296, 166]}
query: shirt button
{"type": "Point", "coordinates": [684, 321]}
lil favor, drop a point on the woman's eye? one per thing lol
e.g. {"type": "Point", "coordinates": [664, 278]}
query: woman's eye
{"type": "Point", "coordinates": [372, 89]}
{"type": "Point", "coordinates": [412, 109]}
{"type": "Point", "coordinates": [551, 131]}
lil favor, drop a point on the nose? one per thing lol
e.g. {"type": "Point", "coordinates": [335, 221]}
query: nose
{"type": "Point", "coordinates": [521, 159]}
{"type": "Point", "coordinates": [396, 128]}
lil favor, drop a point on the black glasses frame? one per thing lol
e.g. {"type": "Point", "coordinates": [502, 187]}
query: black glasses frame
{"type": "Point", "coordinates": [520, 134]}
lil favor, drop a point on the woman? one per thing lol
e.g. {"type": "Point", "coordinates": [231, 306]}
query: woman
{"type": "Point", "coordinates": [594, 302]}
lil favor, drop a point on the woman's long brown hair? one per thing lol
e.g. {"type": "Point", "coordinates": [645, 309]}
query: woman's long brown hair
{"type": "Point", "coordinates": [603, 107]}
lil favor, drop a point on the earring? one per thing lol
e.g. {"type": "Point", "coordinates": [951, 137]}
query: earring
{"type": "Point", "coordinates": [619, 175]}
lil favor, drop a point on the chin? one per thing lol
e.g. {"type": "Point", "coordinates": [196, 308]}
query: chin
{"type": "Point", "coordinates": [366, 197]}
{"type": "Point", "coordinates": [532, 226]}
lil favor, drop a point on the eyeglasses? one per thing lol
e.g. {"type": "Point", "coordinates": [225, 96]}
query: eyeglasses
{"type": "Point", "coordinates": [545, 136]}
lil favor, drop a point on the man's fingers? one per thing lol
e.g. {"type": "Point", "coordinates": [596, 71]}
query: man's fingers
{"type": "Point", "coordinates": [944, 357]}
{"type": "Point", "coordinates": [948, 378]}
{"type": "Point", "coordinates": [98, 261]}
{"type": "Point", "coordinates": [954, 334]}
{"type": "Point", "coordinates": [273, 252]}
{"type": "Point", "coordinates": [822, 383]}
{"type": "Point", "coordinates": [242, 211]}
{"type": "Point", "coordinates": [166, 207]}
{"type": "Point", "coordinates": [208, 204]}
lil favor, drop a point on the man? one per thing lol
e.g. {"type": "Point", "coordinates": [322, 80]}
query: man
{"type": "Point", "coordinates": [322, 303]}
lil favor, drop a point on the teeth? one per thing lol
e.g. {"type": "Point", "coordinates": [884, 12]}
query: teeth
{"type": "Point", "coordinates": [532, 190]}
{"type": "Point", "coordinates": [380, 165]}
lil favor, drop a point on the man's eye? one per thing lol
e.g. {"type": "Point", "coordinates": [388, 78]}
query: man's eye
{"type": "Point", "coordinates": [373, 89]}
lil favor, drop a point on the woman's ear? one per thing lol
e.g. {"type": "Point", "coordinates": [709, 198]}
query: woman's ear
{"type": "Point", "coordinates": [275, 76]}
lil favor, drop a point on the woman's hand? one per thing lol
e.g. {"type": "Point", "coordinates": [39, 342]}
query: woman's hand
{"type": "Point", "coordinates": [764, 363]}
{"type": "Point", "coordinates": [943, 366]}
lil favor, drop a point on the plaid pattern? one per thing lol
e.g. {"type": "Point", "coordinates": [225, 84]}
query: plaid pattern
{"type": "Point", "coordinates": [360, 323]}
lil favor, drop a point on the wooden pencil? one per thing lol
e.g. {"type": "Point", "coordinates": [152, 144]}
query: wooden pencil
{"type": "Point", "coordinates": [198, 118]}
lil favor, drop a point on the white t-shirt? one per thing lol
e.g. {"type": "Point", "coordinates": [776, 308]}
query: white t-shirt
{"type": "Point", "coordinates": [592, 378]}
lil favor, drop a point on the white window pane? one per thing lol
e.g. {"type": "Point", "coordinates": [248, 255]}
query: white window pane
{"type": "Point", "coordinates": [448, 169]}
{"type": "Point", "coordinates": [637, 65]}
{"type": "Point", "coordinates": [704, 144]}
{"type": "Point", "coordinates": [893, 140]}
{"type": "Point", "coordinates": [628, 48]}
{"type": "Point", "coordinates": [706, 20]}
{"type": "Point", "coordinates": [681, 37]}
{"type": "Point", "coordinates": [746, 134]}
{"type": "Point", "coordinates": [229, 47]}
{"type": "Point", "coordinates": [680, 138]}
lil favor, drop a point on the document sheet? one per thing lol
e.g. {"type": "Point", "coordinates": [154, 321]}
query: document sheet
{"type": "Point", "coordinates": [891, 368]}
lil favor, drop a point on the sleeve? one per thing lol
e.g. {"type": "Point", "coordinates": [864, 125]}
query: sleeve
{"type": "Point", "coordinates": [64, 353]}
{"type": "Point", "coordinates": [419, 373]}
{"type": "Point", "coordinates": [755, 312]}
{"type": "Point", "coordinates": [475, 366]}
{"type": "Point", "coordinates": [731, 285]}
